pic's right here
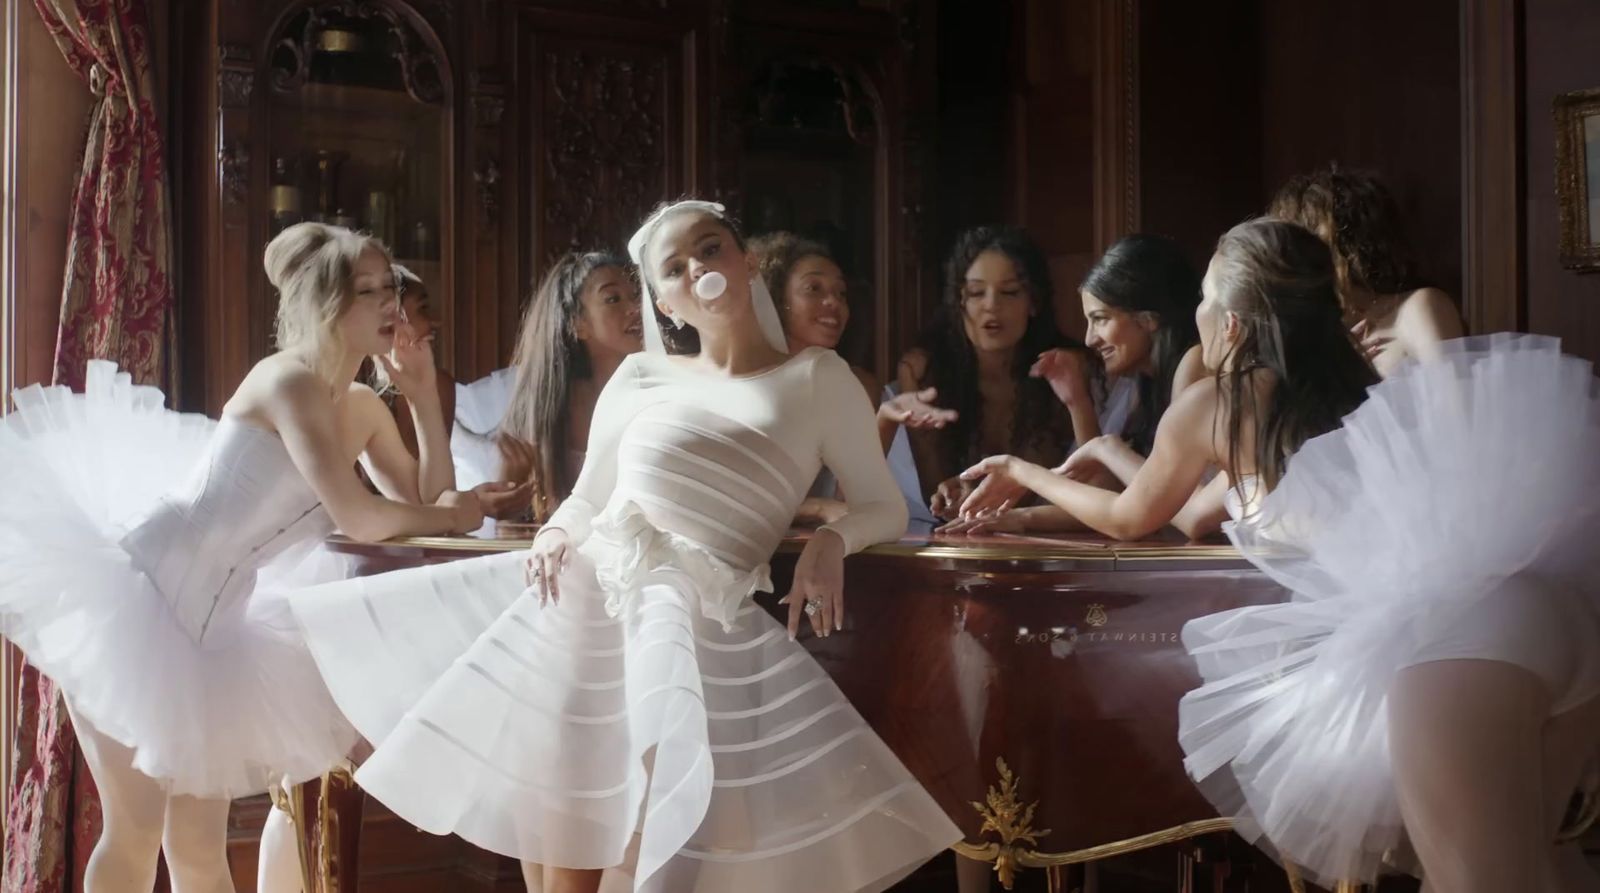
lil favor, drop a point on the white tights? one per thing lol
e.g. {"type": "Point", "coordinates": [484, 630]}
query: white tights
{"type": "Point", "coordinates": [140, 821]}
{"type": "Point", "coordinates": [1484, 774]}
{"type": "Point", "coordinates": [278, 865]}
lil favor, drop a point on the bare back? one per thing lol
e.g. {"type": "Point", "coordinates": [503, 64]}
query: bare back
{"type": "Point", "coordinates": [1409, 326]}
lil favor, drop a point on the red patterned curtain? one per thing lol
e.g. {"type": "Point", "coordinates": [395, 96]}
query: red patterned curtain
{"type": "Point", "coordinates": [116, 304]}
{"type": "Point", "coordinates": [117, 300]}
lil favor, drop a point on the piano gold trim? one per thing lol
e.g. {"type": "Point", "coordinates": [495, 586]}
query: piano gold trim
{"type": "Point", "coordinates": [328, 830]}
{"type": "Point", "coordinates": [1008, 859]}
{"type": "Point", "coordinates": [1005, 816]}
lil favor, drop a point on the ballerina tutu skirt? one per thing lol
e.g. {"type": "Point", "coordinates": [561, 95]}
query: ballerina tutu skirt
{"type": "Point", "coordinates": [1452, 516]}
{"type": "Point", "coordinates": [219, 720]}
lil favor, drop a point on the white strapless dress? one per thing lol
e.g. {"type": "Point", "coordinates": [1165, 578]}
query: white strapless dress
{"type": "Point", "coordinates": [1453, 515]}
{"type": "Point", "coordinates": [145, 560]}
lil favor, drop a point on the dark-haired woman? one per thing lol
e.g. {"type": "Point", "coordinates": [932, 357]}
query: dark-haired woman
{"type": "Point", "coordinates": [811, 295]}
{"type": "Point", "coordinates": [996, 322]}
{"type": "Point", "coordinates": [417, 308]}
{"type": "Point", "coordinates": [1391, 314]}
{"type": "Point", "coordinates": [1138, 302]}
{"type": "Point", "coordinates": [582, 322]}
{"type": "Point", "coordinates": [1435, 679]}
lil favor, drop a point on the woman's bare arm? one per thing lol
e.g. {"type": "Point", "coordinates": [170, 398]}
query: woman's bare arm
{"type": "Point", "coordinates": [296, 403]}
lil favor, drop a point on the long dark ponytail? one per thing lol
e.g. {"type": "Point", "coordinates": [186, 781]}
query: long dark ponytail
{"type": "Point", "coordinates": [548, 359]}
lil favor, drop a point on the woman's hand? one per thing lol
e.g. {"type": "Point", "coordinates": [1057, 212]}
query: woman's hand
{"type": "Point", "coordinates": [517, 458]}
{"type": "Point", "coordinates": [1008, 521]}
{"type": "Point", "coordinates": [818, 588]}
{"type": "Point", "coordinates": [547, 558]}
{"type": "Point", "coordinates": [503, 500]}
{"type": "Point", "coordinates": [1088, 461]}
{"type": "Point", "coordinates": [409, 364]}
{"type": "Point", "coordinates": [516, 492]}
{"type": "Point", "coordinates": [1370, 343]}
{"type": "Point", "coordinates": [947, 498]}
{"type": "Point", "coordinates": [466, 511]}
{"type": "Point", "coordinates": [1067, 372]}
{"type": "Point", "coordinates": [916, 410]}
{"type": "Point", "coordinates": [996, 488]}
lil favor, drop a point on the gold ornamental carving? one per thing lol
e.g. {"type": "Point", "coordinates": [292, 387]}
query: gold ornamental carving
{"type": "Point", "coordinates": [1004, 815]}
{"type": "Point", "coordinates": [328, 830]}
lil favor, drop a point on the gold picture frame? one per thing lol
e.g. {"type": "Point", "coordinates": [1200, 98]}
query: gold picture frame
{"type": "Point", "coordinates": [1578, 178]}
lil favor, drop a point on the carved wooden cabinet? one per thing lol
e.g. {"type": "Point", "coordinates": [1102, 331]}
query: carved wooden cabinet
{"type": "Point", "coordinates": [343, 111]}
{"type": "Point", "coordinates": [480, 138]}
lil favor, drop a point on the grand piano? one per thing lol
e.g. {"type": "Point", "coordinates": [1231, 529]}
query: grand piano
{"type": "Point", "coordinates": [1031, 684]}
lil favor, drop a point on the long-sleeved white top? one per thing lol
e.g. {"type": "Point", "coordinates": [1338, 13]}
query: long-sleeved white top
{"type": "Point", "coordinates": [721, 463]}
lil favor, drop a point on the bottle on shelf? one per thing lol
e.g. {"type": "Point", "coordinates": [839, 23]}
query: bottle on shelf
{"type": "Point", "coordinates": [380, 216]}
{"type": "Point", "coordinates": [284, 200]}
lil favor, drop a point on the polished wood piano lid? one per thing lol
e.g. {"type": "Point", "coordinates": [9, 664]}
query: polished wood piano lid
{"type": "Point", "coordinates": [1085, 551]}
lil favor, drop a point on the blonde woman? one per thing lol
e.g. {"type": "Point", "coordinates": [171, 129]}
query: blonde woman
{"type": "Point", "coordinates": [145, 556]}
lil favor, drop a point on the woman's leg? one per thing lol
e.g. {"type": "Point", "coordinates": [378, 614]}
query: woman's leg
{"type": "Point", "coordinates": [278, 862]}
{"type": "Point", "coordinates": [1466, 739]}
{"type": "Point", "coordinates": [196, 845]}
{"type": "Point", "coordinates": [549, 879]}
{"type": "Point", "coordinates": [132, 805]}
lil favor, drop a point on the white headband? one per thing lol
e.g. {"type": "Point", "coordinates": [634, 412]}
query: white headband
{"type": "Point", "coordinates": [760, 296]}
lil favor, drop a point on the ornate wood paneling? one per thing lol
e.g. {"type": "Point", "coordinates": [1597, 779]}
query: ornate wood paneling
{"type": "Point", "coordinates": [864, 149]}
{"type": "Point", "coordinates": [608, 125]}
{"type": "Point", "coordinates": [569, 121]}
{"type": "Point", "coordinates": [605, 155]}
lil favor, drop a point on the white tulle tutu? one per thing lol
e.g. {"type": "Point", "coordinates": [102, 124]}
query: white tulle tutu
{"type": "Point", "coordinates": [555, 735]}
{"type": "Point", "coordinates": [1453, 515]}
{"type": "Point", "coordinates": [221, 720]}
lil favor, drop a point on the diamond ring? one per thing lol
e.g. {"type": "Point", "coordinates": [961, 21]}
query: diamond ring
{"type": "Point", "coordinates": [812, 609]}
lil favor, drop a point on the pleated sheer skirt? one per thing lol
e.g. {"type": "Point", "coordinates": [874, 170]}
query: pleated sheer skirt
{"type": "Point", "coordinates": [556, 734]}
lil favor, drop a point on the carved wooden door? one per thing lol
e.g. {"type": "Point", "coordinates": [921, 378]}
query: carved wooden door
{"type": "Point", "coordinates": [609, 125]}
